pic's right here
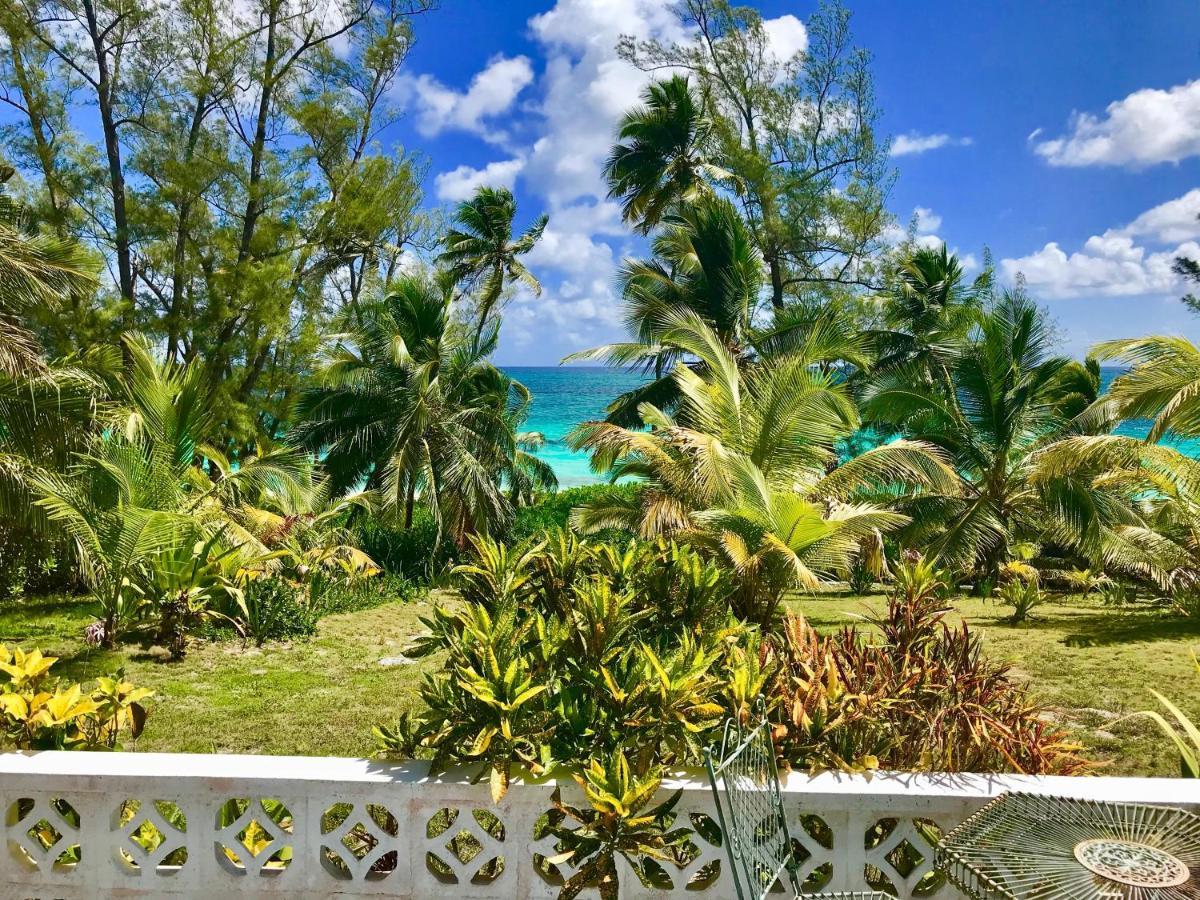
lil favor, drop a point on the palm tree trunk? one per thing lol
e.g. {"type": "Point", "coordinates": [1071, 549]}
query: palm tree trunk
{"type": "Point", "coordinates": [409, 502]}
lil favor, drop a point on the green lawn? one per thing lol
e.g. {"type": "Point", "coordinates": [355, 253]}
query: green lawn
{"type": "Point", "coordinates": [1089, 665]}
{"type": "Point", "coordinates": [320, 696]}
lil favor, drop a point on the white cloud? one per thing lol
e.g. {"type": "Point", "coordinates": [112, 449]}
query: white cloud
{"type": "Point", "coordinates": [787, 36]}
{"type": "Point", "coordinates": [1175, 220]}
{"type": "Point", "coordinates": [1115, 263]}
{"type": "Point", "coordinates": [460, 183]}
{"type": "Point", "coordinates": [927, 220]}
{"type": "Point", "coordinates": [1149, 126]}
{"type": "Point", "coordinates": [491, 94]}
{"type": "Point", "coordinates": [912, 143]}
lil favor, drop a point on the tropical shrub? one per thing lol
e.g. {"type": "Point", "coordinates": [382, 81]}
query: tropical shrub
{"type": "Point", "coordinates": [746, 467]}
{"type": "Point", "coordinates": [1022, 596]}
{"type": "Point", "coordinates": [414, 552]}
{"type": "Point", "coordinates": [566, 650]}
{"type": "Point", "coordinates": [38, 712]}
{"type": "Point", "coordinates": [553, 511]}
{"type": "Point", "coordinates": [274, 609]}
{"type": "Point", "coordinates": [616, 824]}
{"type": "Point", "coordinates": [860, 578]}
{"type": "Point", "coordinates": [922, 698]}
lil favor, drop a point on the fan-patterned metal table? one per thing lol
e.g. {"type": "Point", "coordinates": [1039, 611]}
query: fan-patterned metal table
{"type": "Point", "coordinates": [1037, 847]}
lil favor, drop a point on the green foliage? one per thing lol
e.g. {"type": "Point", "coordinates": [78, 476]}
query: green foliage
{"type": "Point", "coordinates": [992, 400]}
{"type": "Point", "coordinates": [414, 552]}
{"type": "Point", "coordinates": [792, 138]}
{"type": "Point", "coordinates": [1023, 597]}
{"type": "Point", "coordinates": [38, 712]}
{"type": "Point", "coordinates": [553, 511]}
{"type": "Point", "coordinates": [409, 402]}
{"type": "Point", "coordinates": [746, 467]}
{"type": "Point", "coordinates": [567, 650]}
{"type": "Point", "coordinates": [617, 823]}
{"type": "Point", "coordinates": [860, 578]}
{"type": "Point", "coordinates": [274, 608]}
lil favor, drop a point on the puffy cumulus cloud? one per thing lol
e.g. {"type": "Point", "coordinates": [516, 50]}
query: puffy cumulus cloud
{"type": "Point", "coordinates": [1149, 126]}
{"type": "Point", "coordinates": [460, 183]}
{"type": "Point", "coordinates": [490, 94]}
{"type": "Point", "coordinates": [1116, 263]}
{"type": "Point", "coordinates": [913, 143]}
{"type": "Point", "coordinates": [1175, 220]}
{"type": "Point", "coordinates": [787, 35]}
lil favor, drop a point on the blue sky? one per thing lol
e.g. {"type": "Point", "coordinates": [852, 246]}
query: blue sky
{"type": "Point", "coordinates": [1065, 136]}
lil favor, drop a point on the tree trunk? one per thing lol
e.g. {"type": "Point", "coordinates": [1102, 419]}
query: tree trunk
{"type": "Point", "coordinates": [112, 147]}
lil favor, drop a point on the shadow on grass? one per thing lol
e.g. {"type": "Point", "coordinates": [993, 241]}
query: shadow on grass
{"type": "Point", "coordinates": [1117, 628]}
{"type": "Point", "coordinates": [75, 607]}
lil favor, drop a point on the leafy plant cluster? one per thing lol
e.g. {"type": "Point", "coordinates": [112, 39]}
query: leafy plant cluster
{"type": "Point", "coordinates": [39, 712]}
{"type": "Point", "coordinates": [915, 693]}
{"type": "Point", "coordinates": [564, 650]}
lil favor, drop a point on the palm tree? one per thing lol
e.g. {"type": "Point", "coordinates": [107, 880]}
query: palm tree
{"type": "Point", "coordinates": [409, 405]}
{"type": "Point", "coordinates": [660, 161]}
{"type": "Point", "coordinates": [1153, 531]}
{"type": "Point", "coordinates": [754, 474]}
{"type": "Point", "coordinates": [35, 269]}
{"type": "Point", "coordinates": [304, 517]}
{"type": "Point", "coordinates": [148, 484]}
{"type": "Point", "coordinates": [1002, 403]}
{"type": "Point", "coordinates": [705, 263]}
{"type": "Point", "coordinates": [481, 252]}
{"type": "Point", "coordinates": [928, 313]}
{"type": "Point", "coordinates": [1163, 385]}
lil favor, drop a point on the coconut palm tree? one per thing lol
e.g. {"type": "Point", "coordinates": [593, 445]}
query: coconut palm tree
{"type": "Point", "coordinates": [754, 474]}
{"type": "Point", "coordinates": [1002, 404]}
{"type": "Point", "coordinates": [409, 405]}
{"type": "Point", "coordinates": [705, 263]}
{"type": "Point", "coordinates": [35, 269]}
{"type": "Point", "coordinates": [1163, 385]}
{"type": "Point", "coordinates": [928, 312]}
{"type": "Point", "coordinates": [661, 158]}
{"type": "Point", "coordinates": [1153, 529]}
{"type": "Point", "coordinates": [481, 253]}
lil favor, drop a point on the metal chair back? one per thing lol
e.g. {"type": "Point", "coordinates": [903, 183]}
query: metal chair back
{"type": "Point", "coordinates": [750, 811]}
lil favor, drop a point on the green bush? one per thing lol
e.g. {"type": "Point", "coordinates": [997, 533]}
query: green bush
{"type": "Point", "coordinates": [553, 511]}
{"type": "Point", "coordinates": [329, 595]}
{"type": "Point", "coordinates": [32, 564]}
{"type": "Point", "coordinates": [276, 610]}
{"type": "Point", "coordinates": [414, 553]}
{"type": "Point", "coordinates": [569, 650]}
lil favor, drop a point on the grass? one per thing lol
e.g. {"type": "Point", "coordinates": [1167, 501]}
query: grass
{"type": "Point", "coordinates": [315, 697]}
{"type": "Point", "coordinates": [1090, 666]}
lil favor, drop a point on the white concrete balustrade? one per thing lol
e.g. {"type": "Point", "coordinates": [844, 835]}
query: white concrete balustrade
{"type": "Point", "coordinates": [318, 827]}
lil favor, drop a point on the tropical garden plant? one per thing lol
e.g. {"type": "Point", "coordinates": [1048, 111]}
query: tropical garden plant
{"type": "Point", "coordinates": [748, 468]}
{"type": "Point", "coordinates": [39, 712]}
{"type": "Point", "coordinates": [993, 405]}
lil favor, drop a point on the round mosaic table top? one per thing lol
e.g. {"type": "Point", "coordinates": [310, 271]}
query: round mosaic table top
{"type": "Point", "coordinates": [1038, 847]}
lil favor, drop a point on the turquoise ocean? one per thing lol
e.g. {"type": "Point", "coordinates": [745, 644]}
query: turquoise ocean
{"type": "Point", "coordinates": [564, 396]}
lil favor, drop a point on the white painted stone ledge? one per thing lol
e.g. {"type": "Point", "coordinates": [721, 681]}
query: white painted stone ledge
{"type": "Point", "coordinates": [841, 809]}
